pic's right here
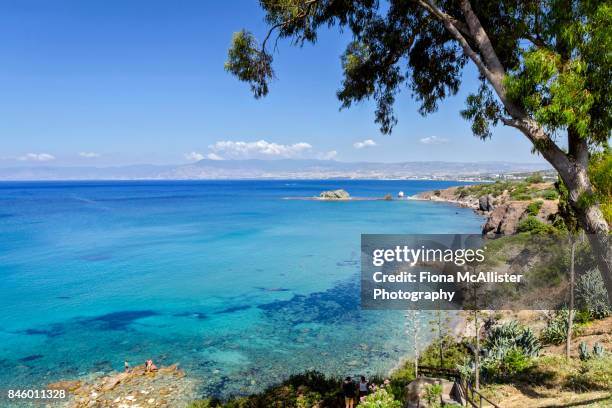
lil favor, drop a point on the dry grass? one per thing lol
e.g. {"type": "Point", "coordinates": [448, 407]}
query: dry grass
{"type": "Point", "coordinates": [554, 381]}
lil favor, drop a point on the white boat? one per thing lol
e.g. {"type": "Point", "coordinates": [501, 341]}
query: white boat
{"type": "Point", "coordinates": [400, 194]}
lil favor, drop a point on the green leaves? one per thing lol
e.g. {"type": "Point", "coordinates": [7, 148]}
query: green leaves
{"type": "Point", "coordinates": [249, 63]}
{"type": "Point", "coordinates": [552, 90]}
{"type": "Point", "coordinates": [483, 111]}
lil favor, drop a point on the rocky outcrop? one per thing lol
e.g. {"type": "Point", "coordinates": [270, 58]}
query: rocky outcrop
{"type": "Point", "coordinates": [503, 214]}
{"type": "Point", "coordinates": [339, 194]}
{"type": "Point", "coordinates": [485, 203]}
{"type": "Point", "coordinates": [505, 218]}
{"type": "Point", "coordinates": [166, 387]}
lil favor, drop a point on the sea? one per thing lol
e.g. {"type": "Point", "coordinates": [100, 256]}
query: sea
{"type": "Point", "coordinates": [241, 283]}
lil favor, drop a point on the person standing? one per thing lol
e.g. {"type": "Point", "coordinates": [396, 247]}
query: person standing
{"type": "Point", "coordinates": [364, 388]}
{"type": "Point", "coordinates": [349, 390]}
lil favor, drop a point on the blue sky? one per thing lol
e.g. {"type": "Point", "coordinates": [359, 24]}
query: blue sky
{"type": "Point", "coordinates": [109, 82]}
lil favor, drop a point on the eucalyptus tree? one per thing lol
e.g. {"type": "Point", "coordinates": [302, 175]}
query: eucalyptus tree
{"type": "Point", "coordinates": [544, 68]}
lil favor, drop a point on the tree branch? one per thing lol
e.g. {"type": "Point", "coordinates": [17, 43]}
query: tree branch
{"type": "Point", "coordinates": [283, 24]}
{"type": "Point", "coordinates": [447, 21]}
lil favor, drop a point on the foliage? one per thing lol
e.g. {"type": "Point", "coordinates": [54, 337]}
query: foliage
{"type": "Point", "coordinates": [555, 371]}
{"type": "Point", "coordinates": [598, 350]}
{"type": "Point", "coordinates": [201, 404]}
{"type": "Point", "coordinates": [549, 195]}
{"type": "Point", "coordinates": [453, 353]}
{"type": "Point", "coordinates": [600, 171]}
{"type": "Point", "coordinates": [534, 226]}
{"type": "Point", "coordinates": [534, 207]}
{"type": "Point", "coordinates": [380, 399]}
{"type": "Point", "coordinates": [550, 52]}
{"type": "Point", "coordinates": [303, 390]}
{"type": "Point", "coordinates": [535, 178]}
{"type": "Point", "coordinates": [555, 331]}
{"type": "Point", "coordinates": [509, 349]}
{"type": "Point", "coordinates": [591, 294]}
{"type": "Point", "coordinates": [249, 63]}
{"type": "Point", "coordinates": [501, 338]}
{"type": "Point", "coordinates": [433, 394]}
{"type": "Point", "coordinates": [583, 351]}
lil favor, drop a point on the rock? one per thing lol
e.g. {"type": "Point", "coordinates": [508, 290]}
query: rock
{"type": "Point", "coordinates": [388, 197]}
{"type": "Point", "coordinates": [505, 218]}
{"type": "Point", "coordinates": [65, 385]}
{"type": "Point", "coordinates": [485, 203]}
{"type": "Point", "coordinates": [335, 195]}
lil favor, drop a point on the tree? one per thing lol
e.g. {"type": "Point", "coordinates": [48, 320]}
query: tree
{"type": "Point", "coordinates": [440, 327]}
{"type": "Point", "coordinates": [570, 314]}
{"type": "Point", "coordinates": [544, 69]}
{"type": "Point", "coordinates": [413, 324]}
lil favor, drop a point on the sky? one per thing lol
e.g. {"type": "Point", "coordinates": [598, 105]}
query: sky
{"type": "Point", "coordinates": [115, 82]}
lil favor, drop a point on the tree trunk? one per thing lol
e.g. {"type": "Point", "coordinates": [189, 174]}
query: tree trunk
{"type": "Point", "coordinates": [477, 359]}
{"type": "Point", "coordinates": [570, 315]}
{"type": "Point", "coordinates": [591, 220]}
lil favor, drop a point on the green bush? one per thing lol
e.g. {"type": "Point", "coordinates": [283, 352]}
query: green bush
{"type": "Point", "coordinates": [521, 197]}
{"type": "Point", "coordinates": [583, 351]}
{"type": "Point", "coordinates": [534, 207]}
{"type": "Point", "coordinates": [535, 178]}
{"type": "Point", "coordinates": [501, 339]}
{"type": "Point", "coordinates": [380, 399]}
{"type": "Point", "coordinates": [508, 350]}
{"type": "Point", "coordinates": [200, 404]}
{"type": "Point", "coordinates": [433, 395]}
{"type": "Point", "coordinates": [549, 194]}
{"type": "Point", "coordinates": [534, 226]}
{"type": "Point", "coordinates": [453, 353]}
{"type": "Point", "coordinates": [555, 331]}
{"type": "Point", "coordinates": [591, 294]}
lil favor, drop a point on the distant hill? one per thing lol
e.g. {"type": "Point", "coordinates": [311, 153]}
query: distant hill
{"type": "Point", "coordinates": [273, 169]}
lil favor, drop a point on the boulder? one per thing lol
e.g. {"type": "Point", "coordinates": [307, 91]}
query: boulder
{"type": "Point", "coordinates": [485, 203]}
{"type": "Point", "coordinates": [339, 194]}
{"type": "Point", "coordinates": [504, 219]}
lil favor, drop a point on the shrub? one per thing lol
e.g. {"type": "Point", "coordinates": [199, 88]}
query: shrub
{"type": "Point", "coordinates": [508, 350]}
{"type": "Point", "coordinates": [598, 350]}
{"type": "Point", "coordinates": [380, 399]}
{"type": "Point", "coordinates": [583, 351]}
{"type": "Point", "coordinates": [515, 361]}
{"type": "Point", "coordinates": [433, 395]}
{"type": "Point", "coordinates": [534, 207]}
{"type": "Point", "coordinates": [555, 331]}
{"type": "Point", "coordinates": [502, 338]}
{"type": "Point", "coordinates": [592, 296]}
{"type": "Point", "coordinates": [534, 178]}
{"type": "Point", "coordinates": [453, 353]}
{"type": "Point", "coordinates": [550, 194]}
{"type": "Point", "coordinates": [534, 226]}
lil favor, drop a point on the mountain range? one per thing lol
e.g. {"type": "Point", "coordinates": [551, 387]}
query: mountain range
{"type": "Point", "coordinates": [272, 169]}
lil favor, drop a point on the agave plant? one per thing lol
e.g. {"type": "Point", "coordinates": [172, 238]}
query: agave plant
{"type": "Point", "coordinates": [583, 351]}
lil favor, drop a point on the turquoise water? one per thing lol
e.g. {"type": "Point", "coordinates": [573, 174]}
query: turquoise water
{"type": "Point", "coordinates": [228, 278]}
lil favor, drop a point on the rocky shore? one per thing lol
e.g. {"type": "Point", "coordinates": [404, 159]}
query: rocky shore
{"type": "Point", "coordinates": [166, 387]}
{"type": "Point", "coordinates": [503, 209]}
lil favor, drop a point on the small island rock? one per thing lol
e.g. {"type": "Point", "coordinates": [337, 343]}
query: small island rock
{"type": "Point", "coordinates": [339, 194]}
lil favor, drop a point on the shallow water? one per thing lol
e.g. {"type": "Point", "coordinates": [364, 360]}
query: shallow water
{"type": "Point", "coordinates": [238, 285]}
